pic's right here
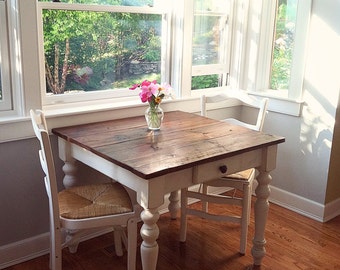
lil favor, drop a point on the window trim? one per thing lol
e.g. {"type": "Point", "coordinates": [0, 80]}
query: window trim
{"type": "Point", "coordinates": [14, 56]}
{"type": "Point", "coordinates": [257, 83]}
{"type": "Point", "coordinates": [208, 69]}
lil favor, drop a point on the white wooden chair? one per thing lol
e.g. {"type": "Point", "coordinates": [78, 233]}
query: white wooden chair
{"type": "Point", "coordinates": [84, 207]}
{"type": "Point", "coordinates": [238, 181]}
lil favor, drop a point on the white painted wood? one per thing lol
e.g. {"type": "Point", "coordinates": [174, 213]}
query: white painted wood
{"type": "Point", "coordinates": [174, 204]}
{"type": "Point", "coordinates": [210, 171]}
{"type": "Point", "coordinates": [75, 227]}
{"type": "Point", "coordinates": [149, 233]}
{"type": "Point", "coordinates": [211, 175]}
{"type": "Point", "coordinates": [261, 212]}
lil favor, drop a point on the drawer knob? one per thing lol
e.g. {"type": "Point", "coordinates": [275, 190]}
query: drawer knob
{"type": "Point", "coordinates": [223, 169]}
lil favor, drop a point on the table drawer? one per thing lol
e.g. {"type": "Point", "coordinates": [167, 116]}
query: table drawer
{"type": "Point", "coordinates": [226, 166]}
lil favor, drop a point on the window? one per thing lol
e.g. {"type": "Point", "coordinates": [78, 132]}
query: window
{"type": "Point", "coordinates": [5, 85]}
{"type": "Point", "coordinates": [210, 44]}
{"type": "Point", "coordinates": [273, 57]}
{"type": "Point", "coordinates": [207, 27]}
{"type": "Point", "coordinates": [92, 48]}
{"type": "Point", "coordinates": [285, 26]}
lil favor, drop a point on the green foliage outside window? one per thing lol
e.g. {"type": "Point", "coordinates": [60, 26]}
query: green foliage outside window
{"type": "Point", "coordinates": [206, 81]}
{"type": "Point", "coordinates": [93, 50]}
{"type": "Point", "coordinates": [283, 44]}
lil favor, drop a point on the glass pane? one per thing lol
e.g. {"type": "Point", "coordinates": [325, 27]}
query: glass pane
{"type": "Point", "coordinates": [206, 40]}
{"type": "Point", "coordinates": [90, 51]}
{"type": "Point", "coordinates": [107, 2]}
{"type": "Point", "coordinates": [205, 81]}
{"type": "Point", "coordinates": [210, 31]}
{"type": "Point", "coordinates": [212, 5]}
{"type": "Point", "coordinates": [283, 44]}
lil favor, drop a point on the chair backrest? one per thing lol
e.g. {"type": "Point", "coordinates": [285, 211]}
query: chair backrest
{"type": "Point", "coordinates": [247, 100]}
{"type": "Point", "coordinates": [47, 163]}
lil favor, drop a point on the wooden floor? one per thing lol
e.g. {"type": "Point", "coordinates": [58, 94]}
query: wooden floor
{"type": "Point", "coordinates": [293, 242]}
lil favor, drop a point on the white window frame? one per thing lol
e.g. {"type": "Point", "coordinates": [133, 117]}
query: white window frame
{"type": "Point", "coordinates": [118, 95]}
{"type": "Point", "coordinates": [199, 70]}
{"type": "Point", "coordinates": [288, 101]}
{"type": "Point", "coordinates": [6, 102]}
{"type": "Point", "coordinates": [12, 106]}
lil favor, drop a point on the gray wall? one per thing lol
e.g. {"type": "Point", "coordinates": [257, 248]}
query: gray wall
{"type": "Point", "coordinates": [23, 200]}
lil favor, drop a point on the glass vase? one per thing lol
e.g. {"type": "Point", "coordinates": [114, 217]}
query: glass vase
{"type": "Point", "coordinates": [154, 116]}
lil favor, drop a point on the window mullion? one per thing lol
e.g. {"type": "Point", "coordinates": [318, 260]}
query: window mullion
{"type": "Point", "coordinates": [264, 58]}
{"type": "Point", "coordinates": [299, 55]}
{"type": "Point", "coordinates": [239, 49]}
{"type": "Point", "coordinates": [186, 70]}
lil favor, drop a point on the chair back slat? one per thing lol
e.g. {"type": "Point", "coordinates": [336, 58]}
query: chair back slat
{"type": "Point", "coordinates": [245, 99]}
{"type": "Point", "coordinates": [47, 164]}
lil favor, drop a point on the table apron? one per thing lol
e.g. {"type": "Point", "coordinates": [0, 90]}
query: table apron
{"type": "Point", "coordinates": [223, 167]}
{"type": "Point", "coordinates": [150, 192]}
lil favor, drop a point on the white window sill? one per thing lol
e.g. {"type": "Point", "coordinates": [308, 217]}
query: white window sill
{"type": "Point", "coordinates": [57, 115]}
{"type": "Point", "coordinates": [279, 103]}
{"type": "Point", "coordinates": [19, 127]}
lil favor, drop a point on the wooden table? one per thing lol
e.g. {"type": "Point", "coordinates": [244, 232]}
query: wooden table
{"type": "Point", "coordinates": [189, 149]}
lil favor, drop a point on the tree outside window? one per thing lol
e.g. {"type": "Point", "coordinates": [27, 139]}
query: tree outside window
{"type": "Point", "coordinates": [91, 50]}
{"type": "Point", "coordinates": [283, 44]}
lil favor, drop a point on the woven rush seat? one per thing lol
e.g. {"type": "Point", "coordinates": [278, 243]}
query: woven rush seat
{"type": "Point", "coordinates": [243, 175]}
{"type": "Point", "coordinates": [93, 201]}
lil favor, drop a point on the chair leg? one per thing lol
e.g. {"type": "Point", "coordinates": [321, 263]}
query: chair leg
{"type": "Point", "coordinates": [55, 249]}
{"type": "Point", "coordinates": [183, 225]}
{"type": "Point", "coordinates": [205, 203]}
{"type": "Point", "coordinates": [72, 241]}
{"type": "Point", "coordinates": [117, 232]}
{"type": "Point", "coordinates": [246, 204]}
{"type": "Point", "coordinates": [132, 244]}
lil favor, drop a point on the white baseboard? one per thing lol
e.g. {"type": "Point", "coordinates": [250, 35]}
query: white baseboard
{"type": "Point", "coordinates": [297, 203]}
{"type": "Point", "coordinates": [303, 206]}
{"type": "Point", "coordinates": [24, 250]}
{"type": "Point", "coordinates": [332, 210]}
{"type": "Point", "coordinates": [33, 247]}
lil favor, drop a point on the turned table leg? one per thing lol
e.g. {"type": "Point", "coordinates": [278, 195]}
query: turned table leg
{"type": "Point", "coordinates": [149, 233]}
{"type": "Point", "coordinates": [261, 212]}
{"type": "Point", "coordinates": [174, 204]}
{"type": "Point", "coordinates": [70, 170]}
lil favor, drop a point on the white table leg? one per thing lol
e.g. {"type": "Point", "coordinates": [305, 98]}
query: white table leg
{"type": "Point", "coordinates": [70, 170]}
{"type": "Point", "coordinates": [174, 204]}
{"type": "Point", "coordinates": [261, 212]}
{"type": "Point", "coordinates": [149, 233]}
